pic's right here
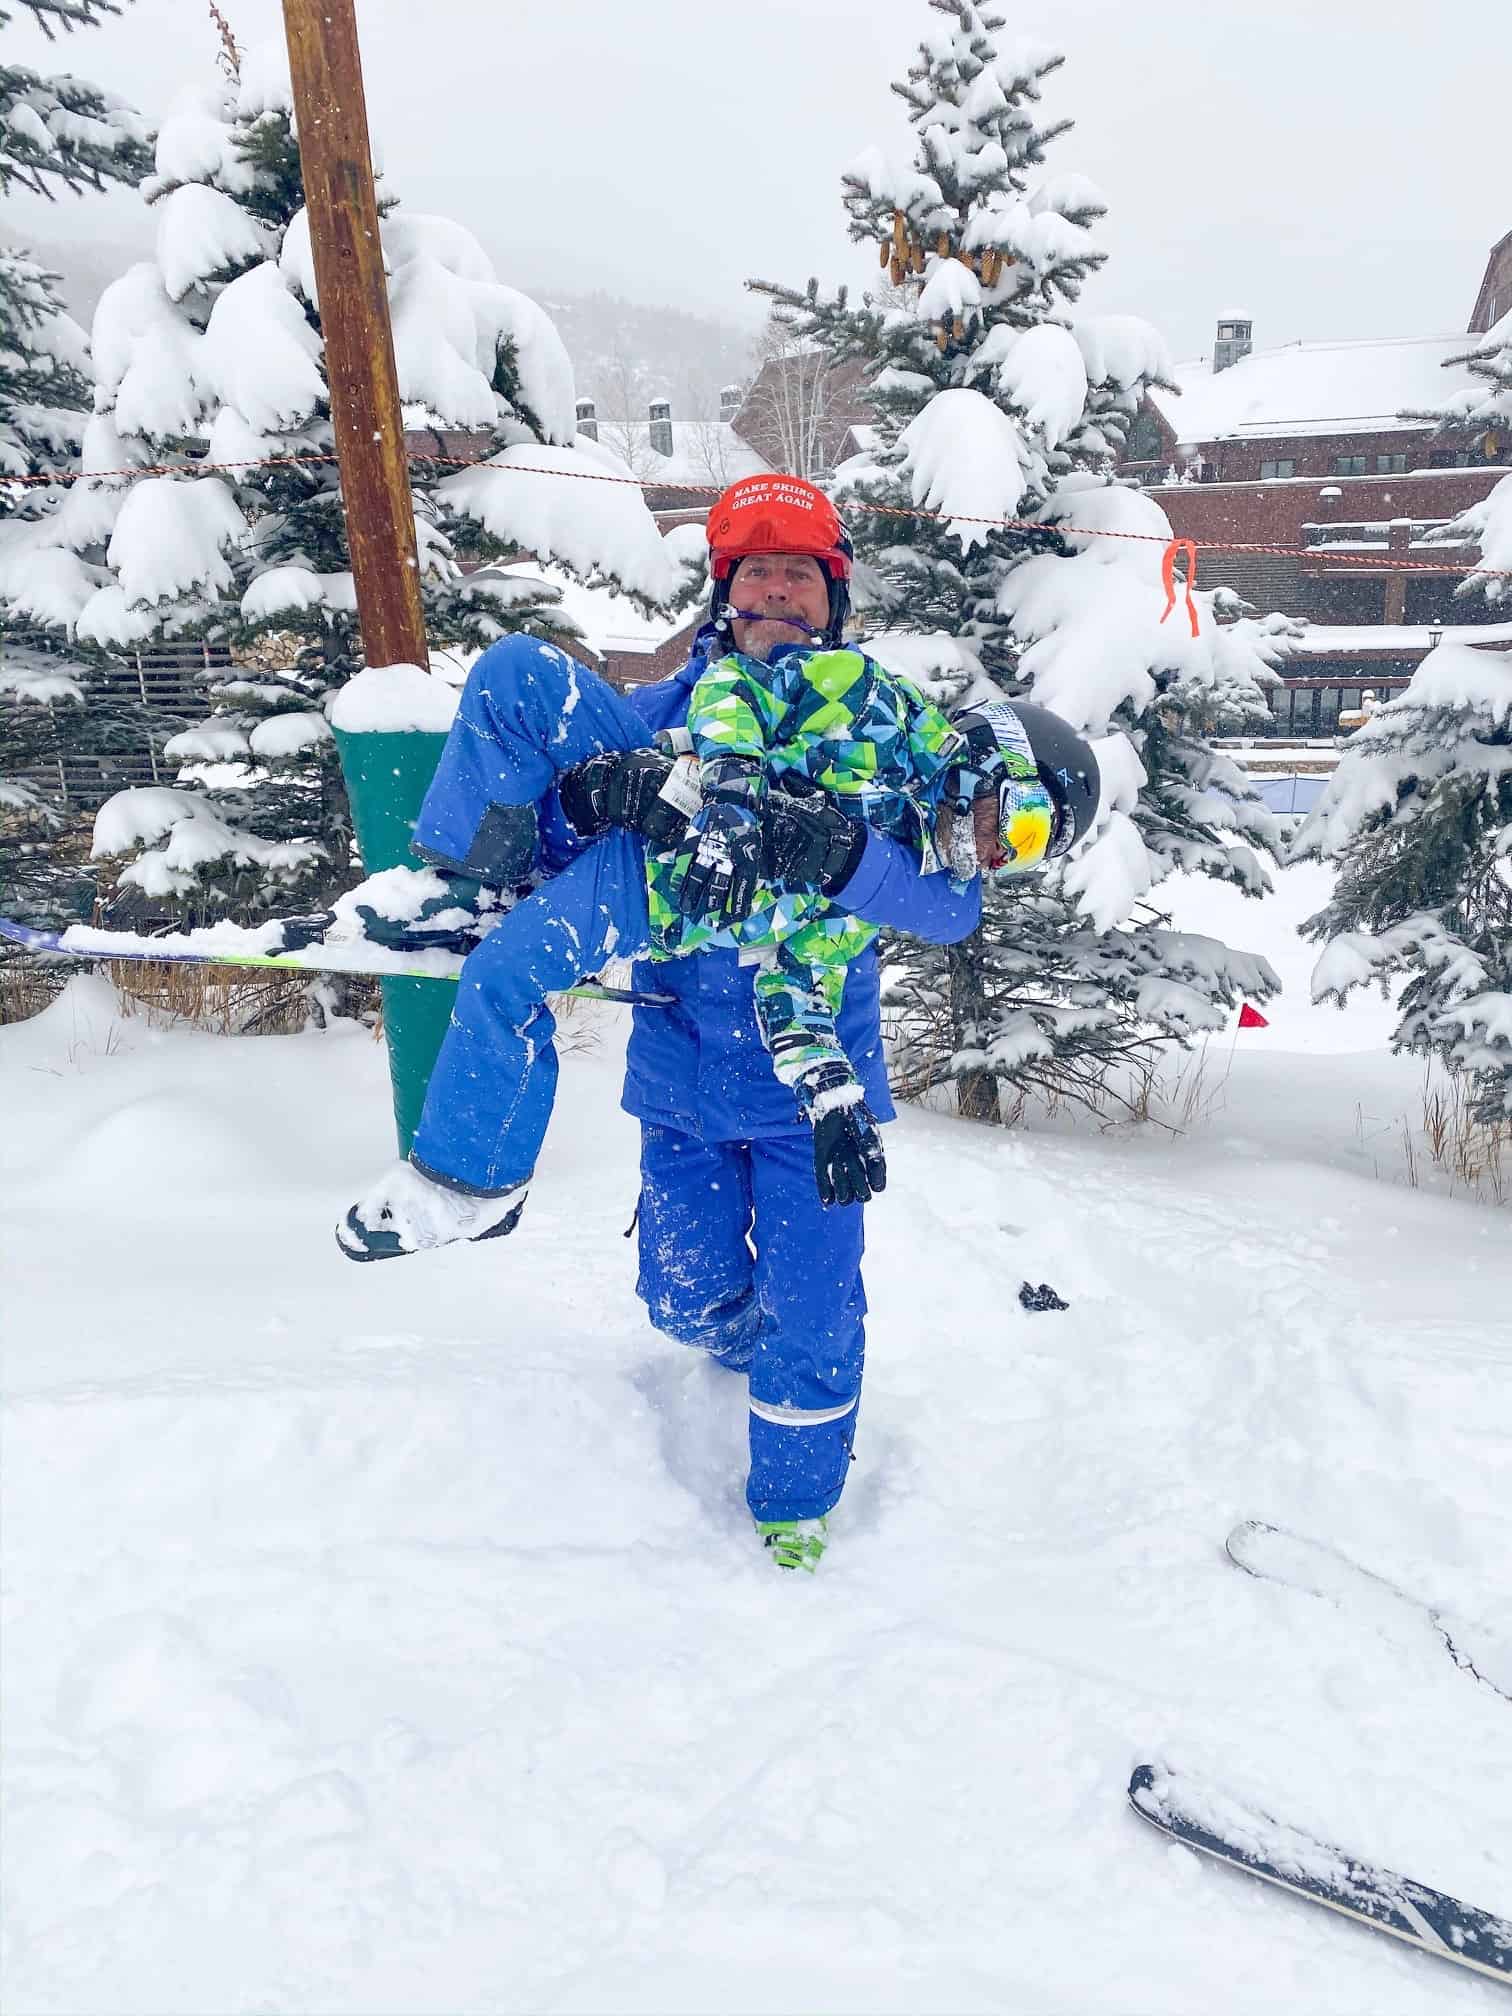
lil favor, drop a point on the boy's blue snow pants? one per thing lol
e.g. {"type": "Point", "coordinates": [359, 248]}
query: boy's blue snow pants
{"type": "Point", "coordinates": [792, 1312]}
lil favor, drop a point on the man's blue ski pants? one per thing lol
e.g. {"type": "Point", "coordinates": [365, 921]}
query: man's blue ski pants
{"type": "Point", "coordinates": [736, 1253]}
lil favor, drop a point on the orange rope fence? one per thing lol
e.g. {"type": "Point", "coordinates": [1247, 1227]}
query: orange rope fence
{"type": "Point", "coordinates": [1174, 547]}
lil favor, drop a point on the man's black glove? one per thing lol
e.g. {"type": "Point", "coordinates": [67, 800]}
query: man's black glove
{"type": "Point", "coordinates": [621, 787]}
{"type": "Point", "coordinates": [849, 1166]}
{"type": "Point", "coordinates": [718, 864]}
{"type": "Point", "coordinates": [808, 843]}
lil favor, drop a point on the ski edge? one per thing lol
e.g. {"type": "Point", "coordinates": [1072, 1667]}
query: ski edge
{"type": "Point", "coordinates": [1233, 1857]}
{"type": "Point", "coordinates": [1457, 1634]}
{"type": "Point", "coordinates": [33, 938]}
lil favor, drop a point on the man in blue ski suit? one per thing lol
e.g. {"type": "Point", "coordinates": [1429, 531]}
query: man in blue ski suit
{"type": "Point", "coordinates": [737, 1254]}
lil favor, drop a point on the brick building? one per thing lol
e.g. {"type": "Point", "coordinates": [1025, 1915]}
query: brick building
{"type": "Point", "coordinates": [1306, 449]}
{"type": "Point", "coordinates": [797, 411]}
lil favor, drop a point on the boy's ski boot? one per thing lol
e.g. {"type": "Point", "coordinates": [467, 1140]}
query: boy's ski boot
{"type": "Point", "coordinates": [795, 1543]}
{"type": "Point", "coordinates": [406, 1212]}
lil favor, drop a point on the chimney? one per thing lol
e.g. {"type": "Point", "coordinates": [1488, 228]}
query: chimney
{"type": "Point", "coordinates": [587, 419]}
{"type": "Point", "coordinates": [1233, 342]}
{"type": "Point", "coordinates": [731, 399]}
{"type": "Point", "coordinates": [661, 427]}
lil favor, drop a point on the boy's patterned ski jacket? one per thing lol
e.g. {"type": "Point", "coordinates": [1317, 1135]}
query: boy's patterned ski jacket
{"type": "Point", "coordinates": [836, 719]}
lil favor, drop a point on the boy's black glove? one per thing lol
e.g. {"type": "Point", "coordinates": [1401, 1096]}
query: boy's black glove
{"type": "Point", "coordinates": [620, 787]}
{"type": "Point", "coordinates": [718, 864]}
{"type": "Point", "coordinates": [808, 843]}
{"type": "Point", "coordinates": [849, 1166]}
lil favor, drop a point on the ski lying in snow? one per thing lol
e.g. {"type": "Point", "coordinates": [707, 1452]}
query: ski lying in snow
{"type": "Point", "coordinates": [1204, 1818]}
{"type": "Point", "coordinates": [1276, 1555]}
{"type": "Point", "coordinates": [214, 947]}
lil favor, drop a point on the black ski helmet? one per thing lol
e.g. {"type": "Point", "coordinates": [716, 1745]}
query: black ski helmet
{"type": "Point", "coordinates": [1068, 771]}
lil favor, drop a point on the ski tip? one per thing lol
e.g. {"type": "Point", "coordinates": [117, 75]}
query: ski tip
{"type": "Point", "coordinates": [1142, 1794]}
{"type": "Point", "coordinates": [28, 935]}
{"type": "Point", "coordinates": [1242, 1538]}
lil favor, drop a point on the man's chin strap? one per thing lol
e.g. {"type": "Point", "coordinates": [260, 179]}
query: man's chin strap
{"type": "Point", "coordinates": [765, 616]}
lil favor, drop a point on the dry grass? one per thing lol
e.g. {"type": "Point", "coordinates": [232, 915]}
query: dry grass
{"type": "Point", "coordinates": [26, 989]}
{"type": "Point", "coordinates": [1475, 1155]}
{"type": "Point", "coordinates": [225, 1000]}
{"type": "Point", "coordinates": [1180, 1099]}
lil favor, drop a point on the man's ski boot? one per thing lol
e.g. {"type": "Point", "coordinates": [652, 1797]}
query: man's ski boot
{"type": "Point", "coordinates": [795, 1543]}
{"type": "Point", "coordinates": [406, 1212]}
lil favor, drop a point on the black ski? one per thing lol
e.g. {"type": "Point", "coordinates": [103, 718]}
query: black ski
{"type": "Point", "coordinates": [1202, 1817]}
{"type": "Point", "coordinates": [1276, 1555]}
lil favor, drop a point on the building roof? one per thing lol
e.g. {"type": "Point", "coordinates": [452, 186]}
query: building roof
{"type": "Point", "coordinates": [1331, 639]}
{"type": "Point", "coordinates": [1315, 388]}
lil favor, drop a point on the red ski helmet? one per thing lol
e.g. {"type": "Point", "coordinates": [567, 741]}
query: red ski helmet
{"type": "Point", "coordinates": [778, 514]}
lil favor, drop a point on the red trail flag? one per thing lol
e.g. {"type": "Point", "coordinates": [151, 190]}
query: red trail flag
{"type": "Point", "coordinates": [1251, 1018]}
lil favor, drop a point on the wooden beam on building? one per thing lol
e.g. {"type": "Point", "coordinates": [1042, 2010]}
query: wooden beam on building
{"type": "Point", "coordinates": [331, 113]}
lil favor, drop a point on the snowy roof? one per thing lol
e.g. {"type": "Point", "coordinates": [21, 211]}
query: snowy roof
{"type": "Point", "coordinates": [1314, 388]}
{"type": "Point", "coordinates": [609, 622]}
{"type": "Point", "coordinates": [706, 452]}
{"type": "Point", "coordinates": [1327, 638]}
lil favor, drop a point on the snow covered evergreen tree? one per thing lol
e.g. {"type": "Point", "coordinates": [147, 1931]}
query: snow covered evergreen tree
{"type": "Point", "coordinates": [994, 402]}
{"type": "Point", "coordinates": [1480, 418]}
{"type": "Point", "coordinates": [211, 381]}
{"type": "Point", "coordinates": [1418, 816]}
{"type": "Point", "coordinates": [56, 133]}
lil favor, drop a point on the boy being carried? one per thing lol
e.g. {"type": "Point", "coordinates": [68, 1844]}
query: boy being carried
{"type": "Point", "coordinates": [700, 870]}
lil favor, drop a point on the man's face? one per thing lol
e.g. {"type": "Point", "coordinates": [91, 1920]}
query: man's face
{"type": "Point", "coordinates": [776, 585]}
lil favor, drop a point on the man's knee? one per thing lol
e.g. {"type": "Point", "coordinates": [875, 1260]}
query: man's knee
{"type": "Point", "coordinates": [725, 1325]}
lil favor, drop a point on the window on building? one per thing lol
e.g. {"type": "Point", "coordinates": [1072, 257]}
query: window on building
{"type": "Point", "coordinates": [1448, 458]}
{"type": "Point", "coordinates": [1284, 467]}
{"type": "Point", "coordinates": [1302, 713]}
{"type": "Point", "coordinates": [1349, 465]}
{"type": "Point", "coordinates": [1390, 465]}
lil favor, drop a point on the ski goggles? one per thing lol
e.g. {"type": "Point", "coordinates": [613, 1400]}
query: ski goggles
{"type": "Point", "coordinates": [1001, 753]}
{"type": "Point", "coordinates": [1026, 826]}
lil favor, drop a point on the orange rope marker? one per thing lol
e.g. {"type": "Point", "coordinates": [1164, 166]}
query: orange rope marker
{"type": "Point", "coordinates": [1358, 562]}
{"type": "Point", "coordinates": [1168, 575]}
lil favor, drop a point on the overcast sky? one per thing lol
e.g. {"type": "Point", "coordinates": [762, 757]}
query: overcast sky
{"type": "Point", "coordinates": [1332, 170]}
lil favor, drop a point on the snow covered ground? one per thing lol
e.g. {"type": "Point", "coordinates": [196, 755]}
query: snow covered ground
{"type": "Point", "coordinates": [393, 1639]}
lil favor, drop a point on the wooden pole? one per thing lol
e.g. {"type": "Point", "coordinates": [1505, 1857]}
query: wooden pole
{"type": "Point", "coordinates": [386, 773]}
{"type": "Point", "coordinates": [331, 112]}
